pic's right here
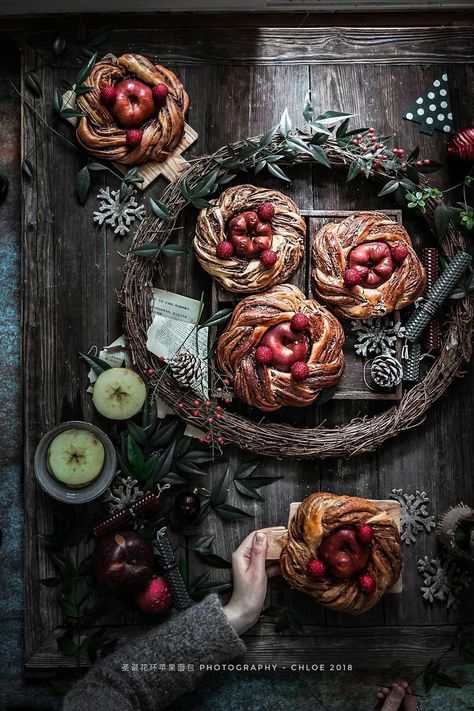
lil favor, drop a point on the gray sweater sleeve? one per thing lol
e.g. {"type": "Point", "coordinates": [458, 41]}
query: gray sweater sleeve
{"type": "Point", "coordinates": [198, 636]}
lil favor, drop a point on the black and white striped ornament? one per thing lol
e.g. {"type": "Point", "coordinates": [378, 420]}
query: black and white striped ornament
{"type": "Point", "coordinates": [386, 371]}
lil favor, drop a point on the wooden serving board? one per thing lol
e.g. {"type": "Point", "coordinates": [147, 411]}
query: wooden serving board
{"type": "Point", "coordinates": [277, 535]}
{"type": "Point", "coordinates": [170, 168]}
{"type": "Point", "coordinates": [352, 385]}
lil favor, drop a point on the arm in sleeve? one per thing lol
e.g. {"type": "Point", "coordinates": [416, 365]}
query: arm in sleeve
{"type": "Point", "coordinates": [198, 636]}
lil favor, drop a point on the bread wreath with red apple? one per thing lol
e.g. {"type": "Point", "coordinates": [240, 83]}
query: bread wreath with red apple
{"type": "Point", "coordinates": [343, 551]}
{"type": "Point", "coordinates": [250, 238]}
{"type": "Point", "coordinates": [365, 266]}
{"type": "Point", "coordinates": [281, 349]}
{"type": "Point", "coordinates": [135, 113]}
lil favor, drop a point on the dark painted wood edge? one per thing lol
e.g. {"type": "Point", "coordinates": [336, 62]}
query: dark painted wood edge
{"type": "Point", "coordinates": [415, 645]}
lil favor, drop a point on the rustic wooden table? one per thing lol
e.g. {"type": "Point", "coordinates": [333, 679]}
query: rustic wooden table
{"type": "Point", "coordinates": [240, 81]}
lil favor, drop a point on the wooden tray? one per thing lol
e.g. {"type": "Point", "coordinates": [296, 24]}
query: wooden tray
{"type": "Point", "coordinates": [170, 169]}
{"type": "Point", "coordinates": [352, 385]}
{"type": "Point", "coordinates": [277, 535]}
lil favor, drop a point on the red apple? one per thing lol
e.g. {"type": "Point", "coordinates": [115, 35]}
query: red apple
{"type": "Point", "coordinates": [124, 561]}
{"type": "Point", "coordinates": [133, 104]}
{"type": "Point", "coordinates": [287, 346]}
{"type": "Point", "coordinates": [343, 554]}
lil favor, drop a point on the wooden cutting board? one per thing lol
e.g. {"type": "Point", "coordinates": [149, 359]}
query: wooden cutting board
{"type": "Point", "coordinates": [277, 535]}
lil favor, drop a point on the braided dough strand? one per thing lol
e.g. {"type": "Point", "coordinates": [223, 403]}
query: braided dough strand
{"type": "Point", "coordinates": [98, 132]}
{"type": "Point", "coordinates": [330, 250]}
{"type": "Point", "coordinates": [263, 386]}
{"type": "Point", "coordinates": [239, 274]}
{"type": "Point", "coordinates": [319, 515]}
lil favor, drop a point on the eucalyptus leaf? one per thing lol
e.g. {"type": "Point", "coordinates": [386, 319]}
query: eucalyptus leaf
{"type": "Point", "coordinates": [257, 481]}
{"type": "Point", "coordinates": [163, 464]}
{"type": "Point", "coordinates": [246, 469]}
{"type": "Point", "coordinates": [164, 434]}
{"type": "Point", "coordinates": [443, 215]}
{"type": "Point", "coordinates": [98, 167]}
{"type": "Point", "coordinates": [231, 513]}
{"type": "Point", "coordinates": [83, 183]}
{"type": "Point", "coordinates": [331, 118]}
{"type": "Point", "coordinates": [220, 489]}
{"type": "Point", "coordinates": [97, 364]}
{"type": "Point", "coordinates": [205, 542]}
{"type": "Point", "coordinates": [174, 479]}
{"type": "Point", "coordinates": [319, 156]}
{"type": "Point", "coordinates": [353, 171]}
{"type": "Point", "coordinates": [71, 113]}
{"type": "Point", "coordinates": [160, 209]}
{"type": "Point", "coordinates": [267, 137]}
{"type": "Point", "coordinates": [189, 468]}
{"type": "Point", "coordinates": [33, 82]}
{"type": "Point", "coordinates": [84, 72]}
{"type": "Point", "coordinates": [277, 172]}
{"type": "Point", "coordinates": [285, 123]}
{"type": "Point", "coordinates": [326, 395]}
{"type": "Point", "coordinates": [390, 187]}
{"type": "Point", "coordinates": [59, 45]}
{"type": "Point", "coordinates": [137, 433]}
{"type": "Point", "coordinates": [212, 559]}
{"type": "Point", "coordinates": [200, 203]}
{"type": "Point", "coordinates": [81, 90]}
{"type": "Point", "coordinates": [247, 490]}
{"type": "Point", "coordinates": [174, 250]}
{"type": "Point", "coordinates": [57, 100]}
{"type": "Point", "coordinates": [145, 250]}
{"type": "Point", "coordinates": [27, 168]}
{"type": "Point", "coordinates": [135, 456]}
{"type": "Point", "coordinates": [218, 319]}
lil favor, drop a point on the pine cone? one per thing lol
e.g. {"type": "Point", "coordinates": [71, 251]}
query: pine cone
{"type": "Point", "coordinates": [186, 368]}
{"type": "Point", "coordinates": [386, 371]}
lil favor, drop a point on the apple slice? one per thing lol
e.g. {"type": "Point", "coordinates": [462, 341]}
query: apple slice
{"type": "Point", "coordinates": [76, 457]}
{"type": "Point", "coordinates": [119, 393]}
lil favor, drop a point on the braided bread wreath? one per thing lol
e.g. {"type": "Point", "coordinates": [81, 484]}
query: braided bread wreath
{"type": "Point", "coordinates": [136, 112]}
{"type": "Point", "coordinates": [343, 551]}
{"type": "Point", "coordinates": [365, 266]}
{"type": "Point", "coordinates": [263, 235]}
{"type": "Point", "coordinates": [295, 337]}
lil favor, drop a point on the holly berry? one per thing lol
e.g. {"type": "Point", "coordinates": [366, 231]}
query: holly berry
{"type": "Point", "coordinates": [266, 211]}
{"type": "Point", "coordinates": [299, 322]}
{"type": "Point", "coordinates": [299, 370]}
{"type": "Point", "coordinates": [108, 94]}
{"type": "Point", "coordinates": [399, 252]}
{"type": "Point", "coordinates": [187, 506]}
{"type": "Point", "coordinates": [133, 137]}
{"type": "Point", "coordinates": [366, 584]}
{"type": "Point", "coordinates": [156, 598]}
{"type": "Point", "coordinates": [264, 355]}
{"type": "Point", "coordinates": [268, 257]}
{"type": "Point", "coordinates": [426, 161]}
{"type": "Point", "coordinates": [160, 92]}
{"type": "Point", "coordinates": [364, 533]}
{"type": "Point", "coordinates": [224, 250]}
{"type": "Point", "coordinates": [316, 569]}
{"type": "Point", "coordinates": [352, 277]}
{"type": "Point", "coordinates": [150, 372]}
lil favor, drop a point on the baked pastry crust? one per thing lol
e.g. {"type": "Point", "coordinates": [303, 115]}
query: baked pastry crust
{"type": "Point", "coordinates": [237, 273]}
{"type": "Point", "coordinates": [261, 385]}
{"type": "Point", "coordinates": [329, 253]}
{"type": "Point", "coordinates": [98, 132]}
{"type": "Point", "coordinates": [319, 515]}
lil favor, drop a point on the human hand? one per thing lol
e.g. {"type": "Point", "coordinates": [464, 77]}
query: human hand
{"type": "Point", "coordinates": [398, 697]}
{"type": "Point", "coordinates": [250, 573]}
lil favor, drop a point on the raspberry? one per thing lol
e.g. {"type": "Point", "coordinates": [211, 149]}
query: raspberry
{"type": "Point", "coordinates": [266, 211]}
{"type": "Point", "coordinates": [399, 252]}
{"type": "Point", "coordinates": [364, 533]}
{"type": "Point", "coordinates": [316, 568]}
{"type": "Point", "coordinates": [299, 322]}
{"type": "Point", "coordinates": [108, 94]}
{"type": "Point", "coordinates": [264, 355]}
{"type": "Point", "coordinates": [160, 92]}
{"type": "Point", "coordinates": [366, 584]}
{"type": "Point", "coordinates": [352, 277]}
{"type": "Point", "coordinates": [224, 250]}
{"type": "Point", "coordinates": [133, 137]}
{"type": "Point", "coordinates": [268, 257]}
{"type": "Point", "coordinates": [299, 370]}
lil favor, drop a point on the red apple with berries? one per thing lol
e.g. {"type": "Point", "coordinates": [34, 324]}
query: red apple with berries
{"type": "Point", "coordinates": [123, 561]}
{"type": "Point", "coordinates": [264, 355]}
{"type": "Point", "coordinates": [299, 322]}
{"type": "Point", "coordinates": [134, 103]}
{"type": "Point", "coordinates": [300, 370]}
{"type": "Point", "coordinates": [373, 262]}
{"type": "Point", "coordinates": [399, 253]}
{"type": "Point", "coordinates": [133, 137]}
{"type": "Point", "coordinates": [366, 584]}
{"type": "Point", "coordinates": [268, 258]}
{"type": "Point", "coordinates": [108, 94]}
{"type": "Point", "coordinates": [225, 250]}
{"type": "Point", "coordinates": [266, 211]}
{"type": "Point", "coordinates": [316, 569]}
{"type": "Point", "coordinates": [160, 92]}
{"type": "Point", "coordinates": [287, 345]}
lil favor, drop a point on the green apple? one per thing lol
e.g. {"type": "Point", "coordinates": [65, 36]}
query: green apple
{"type": "Point", "coordinates": [119, 393]}
{"type": "Point", "coordinates": [76, 457]}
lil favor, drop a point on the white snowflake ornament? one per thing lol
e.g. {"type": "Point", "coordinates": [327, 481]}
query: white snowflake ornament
{"type": "Point", "coordinates": [443, 580]}
{"type": "Point", "coordinates": [376, 336]}
{"type": "Point", "coordinates": [124, 493]}
{"type": "Point", "coordinates": [414, 516]}
{"type": "Point", "coordinates": [118, 214]}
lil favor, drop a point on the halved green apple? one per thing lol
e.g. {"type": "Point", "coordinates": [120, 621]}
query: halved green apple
{"type": "Point", "coordinates": [119, 393]}
{"type": "Point", "coordinates": [76, 457]}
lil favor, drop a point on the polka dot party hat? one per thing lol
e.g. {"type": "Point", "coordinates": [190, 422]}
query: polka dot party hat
{"type": "Point", "coordinates": [433, 108]}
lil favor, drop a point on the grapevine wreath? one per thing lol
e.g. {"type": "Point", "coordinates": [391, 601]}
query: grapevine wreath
{"type": "Point", "coordinates": [273, 439]}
